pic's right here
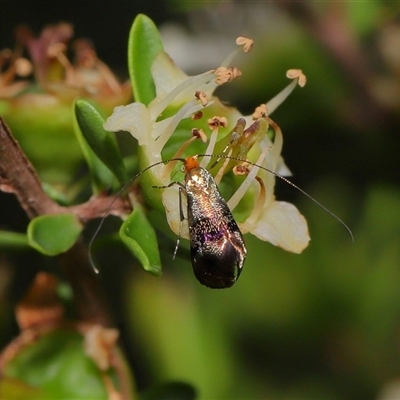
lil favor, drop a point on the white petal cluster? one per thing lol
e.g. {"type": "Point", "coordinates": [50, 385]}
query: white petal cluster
{"type": "Point", "coordinates": [279, 223]}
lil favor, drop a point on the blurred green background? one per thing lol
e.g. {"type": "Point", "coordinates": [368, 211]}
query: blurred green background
{"type": "Point", "coordinates": [321, 325]}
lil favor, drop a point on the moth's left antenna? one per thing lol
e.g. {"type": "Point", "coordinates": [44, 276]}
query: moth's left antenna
{"type": "Point", "coordinates": [107, 212]}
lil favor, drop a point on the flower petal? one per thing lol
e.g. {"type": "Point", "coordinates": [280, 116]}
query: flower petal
{"type": "Point", "coordinates": [170, 199]}
{"type": "Point", "coordinates": [282, 168]}
{"type": "Point", "coordinates": [166, 75]}
{"type": "Point", "coordinates": [282, 225]}
{"type": "Point", "coordinates": [133, 118]}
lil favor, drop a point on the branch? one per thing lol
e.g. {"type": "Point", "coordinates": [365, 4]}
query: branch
{"type": "Point", "coordinates": [18, 176]}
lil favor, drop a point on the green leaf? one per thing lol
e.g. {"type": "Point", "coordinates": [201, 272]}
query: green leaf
{"type": "Point", "coordinates": [143, 46]}
{"type": "Point", "coordinates": [103, 143]}
{"type": "Point", "coordinates": [139, 236]}
{"type": "Point", "coordinates": [14, 389]}
{"type": "Point", "coordinates": [101, 176]}
{"type": "Point", "coordinates": [56, 194]}
{"type": "Point", "coordinates": [54, 234]}
{"type": "Point", "coordinates": [45, 131]}
{"type": "Point", "coordinates": [56, 364]}
{"type": "Point", "coordinates": [13, 240]}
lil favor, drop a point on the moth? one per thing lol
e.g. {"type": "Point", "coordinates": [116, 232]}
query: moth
{"type": "Point", "coordinates": [217, 247]}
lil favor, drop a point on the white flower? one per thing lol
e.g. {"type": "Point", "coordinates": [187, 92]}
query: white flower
{"type": "Point", "coordinates": [180, 97]}
{"type": "Point", "coordinates": [277, 222]}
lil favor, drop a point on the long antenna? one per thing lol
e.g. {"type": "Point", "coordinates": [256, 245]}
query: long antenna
{"type": "Point", "coordinates": [219, 156]}
{"type": "Point", "coordinates": [107, 212]}
{"type": "Point", "coordinates": [289, 183]}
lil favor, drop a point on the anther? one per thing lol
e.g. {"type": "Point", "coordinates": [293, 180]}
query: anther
{"type": "Point", "coordinates": [260, 112]}
{"type": "Point", "coordinates": [197, 116]}
{"type": "Point", "coordinates": [241, 169]}
{"type": "Point", "coordinates": [297, 74]}
{"type": "Point", "coordinates": [167, 169]}
{"type": "Point", "coordinates": [216, 122]}
{"type": "Point", "coordinates": [225, 75]}
{"type": "Point", "coordinates": [202, 97]}
{"type": "Point", "coordinates": [246, 42]}
{"type": "Point", "coordinates": [23, 67]}
{"type": "Point", "coordinates": [199, 134]}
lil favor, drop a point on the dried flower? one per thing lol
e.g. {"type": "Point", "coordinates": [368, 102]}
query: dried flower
{"type": "Point", "coordinates": [100, 345]}
{"type": "Point", "coordinates": [38, 84]}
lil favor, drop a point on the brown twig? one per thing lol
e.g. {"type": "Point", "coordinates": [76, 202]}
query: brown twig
{"type": "Point", "coordinates": [18, 176]}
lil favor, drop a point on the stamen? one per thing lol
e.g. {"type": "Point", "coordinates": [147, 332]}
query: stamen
{"type": "Point", "coordinates": [225, 75]}
{"type": "Point", "coordinates": [297, 74]}
{"type": "Point", "coordinates": [227, 61]}
{"type": "Point", "coordinates": [246, 42]}
{"type": "Point", "coordinates": [214, 123]}
{"type": "Point", "coordinates": [239, 41]}
{"type": "Point", "coordinates": [23, 67]}
{"type": "Point", "coordinates": [199, 134]}
{"type": "Point", "coordinates": [258, 204]}
{"type": "Point", "coordinates": [86, 57]}
{"type": "Point", "coordinates": [209, 87]}
{"type": "Point", "coordinates": [276, 101]}
{"type": "Point", "coordinates": [278, 143]}
{"type": "Point", "coordinates": [197, 116]}
{"type": "Point", "coordinates": [108, 76]}
{"type": "Point", "coordinates": [167, 169]}
{"type": "Point", "coordinates": [235, 136]}
{"type": "Point", "coordinates": [210, 148]}
{"type": "Point", "coordinates": [241, 191]}
{"type": "Point", "coordinates": [260, 112]}
{"type": "Point", "coordinates": [221, 171]}
{"type": "Point", "coordinates": [159, 106]}
{"type": "Point", "coordinates": [202, 97]}
{"type": "Point", "coordinates": [188, 108]}
{"type": "Point", "coordinates": [241, 169]}
{"type": "Point", "coordinates": [57, 50]}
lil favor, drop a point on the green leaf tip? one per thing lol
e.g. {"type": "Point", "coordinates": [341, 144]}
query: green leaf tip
{"type": "Point", "coordinates": [139, 236]}
{"type": "Point", "coordinates": [143, 46]}
{"type": "Point", "coordinates": [54, 234]}
{"type": "Point", "coordinates": [102, 142]}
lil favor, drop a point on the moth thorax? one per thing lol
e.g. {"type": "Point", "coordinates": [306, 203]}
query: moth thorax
{"type": "Point", "coordinates": [196, 177]}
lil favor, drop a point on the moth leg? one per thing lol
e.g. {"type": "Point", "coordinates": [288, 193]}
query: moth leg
{"type": "Point", "coordinates": [181, 214]}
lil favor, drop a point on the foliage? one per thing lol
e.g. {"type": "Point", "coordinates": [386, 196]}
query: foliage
{"type": "Point", "coordinates": [323, 324]}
